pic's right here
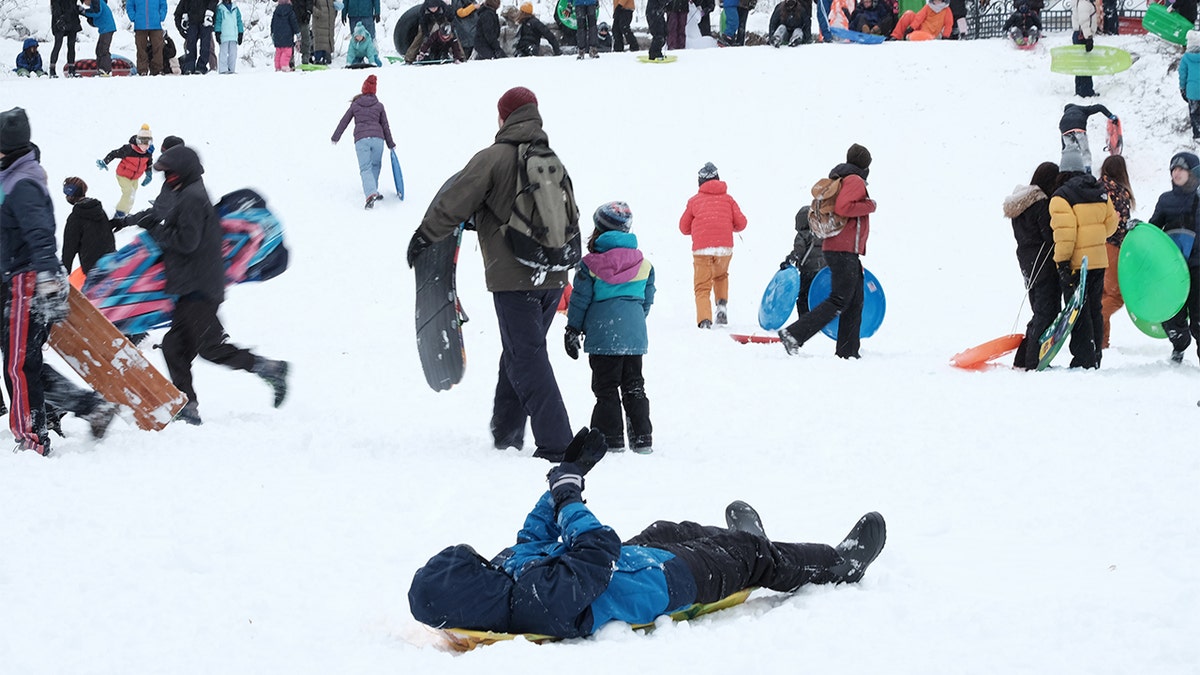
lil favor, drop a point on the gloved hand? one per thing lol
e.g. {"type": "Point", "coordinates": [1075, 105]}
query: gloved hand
{"type": "Point", "coordinates": [338, 6]}
{"type": "Point", "coordinates": [586, 449]}
{"type": "Point", "coordinates": [566, 485]}
{"type": "Point", "coordinates": [344, 19]}
{"type": "Point", "coordinates": [239, 38]}
{"type": "Point", "coordinates": [49, 304]}
{"type": "Point", "coordinates": [146, 180]}
{"type": "Point", "coordinates": [416, 245]}
{"type": "Point", "coordinates": [117, 224]}
{"type": "Point", "coordinates": [1114, 119]}
{"type": "Point", "coordinates": [101, 165]}
{"type": "Point", "coordinates": [183, 25]}
{"type": "Point", "coordinates": [376, 17]}
{"type": "Point", "coordinates": [787, 262]}
{"type": "Point", "coordinates": [1066, 280]}
{"type": "Point", "coordinates": [1089, 44]}
{"type": "Point", "coordinates": [571, 342]}
{"type": "Point", "coordinates": [208, 18]}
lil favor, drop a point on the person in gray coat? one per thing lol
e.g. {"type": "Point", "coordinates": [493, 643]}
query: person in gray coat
{"type": "Point", "coordinates": [323, 19]}
{"type": "Point", "coordinates": [526, 302]}
{"type": "Point", "coordinates": [465, 20]}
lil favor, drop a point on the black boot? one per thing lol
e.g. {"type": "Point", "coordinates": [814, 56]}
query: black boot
{"type": "Point", "coordinates": [860, 547]}
{"type": "Point", "coordinates": [741, 517]}
{"type": "Point", "coordinates": [190, 414]}
{"type": "Point", "coordinates": [275, 374]}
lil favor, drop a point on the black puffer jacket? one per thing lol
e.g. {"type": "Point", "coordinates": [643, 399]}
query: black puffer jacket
{"type": "Point", "coordinates": [1029, 209]}
{"type": "Point", "coordinates": [190, 235]}
{"type": "Point", "coordinates": [487, 34]}
{"type": "Point", "coordinates": [87, 234]}
{"type": "Point", "coordinates": [64, 18]}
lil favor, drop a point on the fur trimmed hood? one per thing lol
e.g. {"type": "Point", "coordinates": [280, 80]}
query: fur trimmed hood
{"type": "Point", "coordinates": [1023, 197]}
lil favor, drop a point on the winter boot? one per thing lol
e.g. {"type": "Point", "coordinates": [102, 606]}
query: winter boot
{"type": "Point", "coordinates": [791, 344]}
{"type": "Point", "coordinates": [722, 313]}
{"type": "Point", "coordinates": [860, 547]}
{"type": "Point", "coordinates": [190, 414]}
{"type": "Point", "coordinates": [275, 373]}
{"type": "Point", "coordinates": [1177, 356]}
{"type": "Point", "coordinates": [594, 53]}
{"type": "Point", "coordinates": [741, 517]}
{"type": "Point", "coordinates": [642, 445]}
{"type": "Point", "coordinates": [54, 72]}
{"type": "Point", "coordinates": [375, 196]}
{"type": "Point", "coordinates": [704, 323]}
{"type": "Point", "coordinates": [100, 417]}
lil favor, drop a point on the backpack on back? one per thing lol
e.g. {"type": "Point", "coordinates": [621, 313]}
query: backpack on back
{"type": "Point", "coordinates": [543, 230]}
{"type": "Point", "coordinates": [822, 220]}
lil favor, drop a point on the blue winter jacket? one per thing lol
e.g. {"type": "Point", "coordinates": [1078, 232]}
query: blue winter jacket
{"type": "Point", "coordinates": [146, 14]}
{"type": "Point", "coordinates": [228, 25]}
{"type": "Point", "coordinates": [101, 16]}
{"type": "Point", "coordinates": [613, 291]}
{"type": "Point", "coordinates": [360, 8]}
{"type": "Point", "coordinates": [564, 577]}
{"type": "Point", "coordinates": [285, 26]}
{"type": "Point", "coordinates": [1189, 75]}
{"type": "Point", "coordinates": [26, 219]}
{"type": "Point", "coordinates": [26, 61]}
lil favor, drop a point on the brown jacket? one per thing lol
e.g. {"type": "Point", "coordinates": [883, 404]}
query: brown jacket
{"type": "Point", "coordinates": [486, 189]}
{"type": "Point", "coordinates": [1082, 217]}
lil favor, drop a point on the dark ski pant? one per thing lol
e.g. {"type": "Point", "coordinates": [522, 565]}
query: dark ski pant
{"type": "Point", "coordinates": [1194, 117]}
{"type": "Point", "coordinates": [806, 280]}
{"type": "Point", "coordinates": [103, 53]}
{"type": "Point", "coordinates": [23, 340]}
{"type": "Point", "coordinates": [657, 22]}
{"type": "Point", "coordinates": [617, 382]}
{"type": "Point", "coordinates": [1089, 327]}
{"type": "Point", "coordinates": [526, 388]}
{"type": "Point", "coordinates": [1185, 325]}
{"type": "Point", "coordinates": [196, 331]}
{"type": "Point", "coordinates": [197, 47]}
{"type": "Point", "coordinates": [1083, 85]}
{"type": "Point", "coordinates": [724, 562]}
{"type": "Point", "coordinates": [69, 67]}
{"type": "Point", "coordinates": [845, 302]}
{"type": "Point", "coordinates": [622, 30]}
{"type": "Point", "coordinates": [1045, 299]}
{"type": "Point", "coordinates": [585, 32]}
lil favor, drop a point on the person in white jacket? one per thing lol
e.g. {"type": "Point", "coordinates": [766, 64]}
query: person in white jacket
{"type": "Point", "coordinates": [1085, 17]}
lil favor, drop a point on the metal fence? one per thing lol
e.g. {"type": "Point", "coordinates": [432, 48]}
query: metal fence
{"type": "Point", "coordinates": [986, 19]}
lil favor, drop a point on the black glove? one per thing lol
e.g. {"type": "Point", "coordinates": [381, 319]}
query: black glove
{"type": "Point", "coordinates": [1114, 119]}
{"type": "Point", "coordinates": [49, 304]}
{"type": "Point", "coordinates": [566, 485]}
{"type": "Point", "coordinates": [376, 18]}
{"type": "Point", "coordinates": [1088, 44]}
{"type": "Point", "coordinates": [416, 245]}
{"type": "Point", "coordinates": [117, 224]}
{"type": "Point", "coordinates": [571, 342]}
{"type": "Point", "coordinates": [586, 449]}
{"type": "Point", "coordinates": [239, 38]}
{"type": "Point", "coordinates": [1066, 280]}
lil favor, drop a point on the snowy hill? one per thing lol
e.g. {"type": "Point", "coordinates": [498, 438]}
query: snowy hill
{"type": "Point", "coordinates": [1038, 523]}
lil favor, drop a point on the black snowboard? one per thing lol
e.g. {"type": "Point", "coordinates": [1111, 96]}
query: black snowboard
{"type": "Point", "coordinates": [439, 314]}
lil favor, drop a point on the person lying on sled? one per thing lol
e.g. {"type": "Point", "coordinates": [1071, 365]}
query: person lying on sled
{"type": "Point", "coordinates": [568, 574]}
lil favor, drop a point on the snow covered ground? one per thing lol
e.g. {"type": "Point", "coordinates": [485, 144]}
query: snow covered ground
{"type": "Point", "coordinates": [1041, 523]}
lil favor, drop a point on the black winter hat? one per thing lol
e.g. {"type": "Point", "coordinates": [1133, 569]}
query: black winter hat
{"type": "Point", "coordinates": [613, 216]}
{"type": "Point", "coordinates": [859, 156]}
{"type": "Point", "coordinates": [170, 142]}
{"type": "Point", "coordinates": [14, 130]}
{"type": "Point", "coordinates": [707, 172]}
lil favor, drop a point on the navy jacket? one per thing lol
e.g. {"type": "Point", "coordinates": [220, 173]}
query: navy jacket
{"type": "Point", "coordinates": [1179, 209]}
{"type": "Point", "coordinates": [564, 577]}
{"type": "Point", "coordinates": [26, 217]}
{"type": "Point", "coordinates": [284, 26]}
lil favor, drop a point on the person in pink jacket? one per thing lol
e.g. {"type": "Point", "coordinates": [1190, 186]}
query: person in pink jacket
{"type": "Point", "coordinates": [842, 252]}
{"type": "Point", "coordinates": [711, 218]}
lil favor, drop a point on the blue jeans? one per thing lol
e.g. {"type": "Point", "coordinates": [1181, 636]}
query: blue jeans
{"type": "Point", "coordinates": [370, 162]}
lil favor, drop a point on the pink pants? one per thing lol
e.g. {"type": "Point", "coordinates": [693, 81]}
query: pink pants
{"type": "Point", "coordinates": [283, 57]}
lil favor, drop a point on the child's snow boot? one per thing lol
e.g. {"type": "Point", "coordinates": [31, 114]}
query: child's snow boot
{"type": "Point", "coordinates": [860, 547]}
{"type": "Point", "coordinates": [275, 374]}
{"type": "Point", "coordinates": [741, 517]}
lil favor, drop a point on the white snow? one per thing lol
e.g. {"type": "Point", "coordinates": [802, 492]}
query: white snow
{"type": "Point", "coordinates": [1038, 523]}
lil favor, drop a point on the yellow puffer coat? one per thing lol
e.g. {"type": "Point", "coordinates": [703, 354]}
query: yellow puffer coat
{"type": "Point", "coordinates": [1082, 217]}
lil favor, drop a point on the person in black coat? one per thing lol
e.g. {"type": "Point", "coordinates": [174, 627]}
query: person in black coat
{"type": "Point", "coordinates": [791, 23]}
{"type": "Point", "coordinates": [1029, 208]}
{"type": "Point", "coordinates": [1178, 214]}
{"type": "Point", "coordinates": [531, 32]}
{"type": "Point", "coordinates": [189, 235]}
{"type": "Point", "coordinates": [64, 23]}
{"type": "Point", "coordinates": [806, 256]}
{"type": "Point", "coordinates": [194, 19]}
{"type": "Point", "coordinates": [87, 233]}
{"type": "Point", "coordinates": [487, 31]}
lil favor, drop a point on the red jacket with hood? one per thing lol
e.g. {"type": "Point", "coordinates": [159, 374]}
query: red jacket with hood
{"type": "Point", "coordinates": [711, 217]}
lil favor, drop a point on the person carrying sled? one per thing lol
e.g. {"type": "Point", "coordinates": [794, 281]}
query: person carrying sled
{"type": "Point", "coordinates": [874, 17]}
{"type": "Point", "coordinates": [806, 257]}
{"type": "Point", "coordinates": [371, 133]}
{"type": "Point", "coordinates": [526, 298]}
{"type": "Point", "coordinates": [711, 218]}
{"type": "Point", "coordinates": [567, 574]}
{"type": "Point", "coordinates": [1076, 150]}
{"type": "Point", "coordinates": [1084, 22]}
{"type": "Point", "coordinates": [935, 19]}
{"type": "Point", "coordinates": [88, 233]}
{"type": "Point", "coordinates": [530, 33]}
{"type": "Point", "coordinates": [1178, 213]}
{"type": "Point", "coordinates": [137, 159]}
{"type": "Point", "coordinates": [29, 61]}
{"type": "Point", "coordinates": [1114, 176]}
{"type": "Point", "coordinates": [841, 251]}
{"type": "Point", "coordinates": [189, 235]}
{"type": "Point", "coordinates": [1082, 217]}
{"type": "Point", "coordinates": [33, 295]}
{"type": "Point", "coordinates": [613, 292]}
{"type": "Point", "coordinates": [1029, 208]}
{"type": "Point", "coordinates": [362, 49]}
{"type": "Point", "coordinates": [791, 23]}
{"type": "Point", "coordinates": [1024, 25]}
{"type": "Point", "coordinates": [487, 32]}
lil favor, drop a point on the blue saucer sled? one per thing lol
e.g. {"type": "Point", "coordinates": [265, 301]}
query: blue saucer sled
{"type": "Point", "coordinates": [779, 299]}
{"type": "Point", "coordinates": [874, 302]}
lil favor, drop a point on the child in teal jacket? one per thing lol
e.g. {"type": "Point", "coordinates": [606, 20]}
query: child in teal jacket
{"type": "Point", "coordinates": [362, 48]}
{"type": "Point", "coordinates": [1189, 80]}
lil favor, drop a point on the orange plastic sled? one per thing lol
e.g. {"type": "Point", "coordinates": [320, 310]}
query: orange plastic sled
{"type": "Point", "coordinates": [77, 278]}
{"type": "Point", "coordinates": [754, 339]}
{"type": "Point", "coordinates": [979, 356]}
{"type": "Point", "coordinates": [919, 36]}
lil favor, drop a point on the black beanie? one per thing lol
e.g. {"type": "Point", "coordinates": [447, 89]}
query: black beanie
{"type": "Point", "coordinates": [14, 130]}
{"type": "Point", "coordinates": [859, 156]}
{"type": "Point", "coordinates": [170, 142]}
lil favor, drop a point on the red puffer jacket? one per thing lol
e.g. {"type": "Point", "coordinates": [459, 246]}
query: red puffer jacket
{"type": "Point", "coordinates": [853, 203]}
{"type": "Point", "coordinates": [711, 217]}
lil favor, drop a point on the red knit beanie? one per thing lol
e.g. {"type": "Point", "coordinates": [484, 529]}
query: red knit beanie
{"type": "Point", "coordinates": [369, 85]}
{"type": "Point", "coordinates": [514, 98]}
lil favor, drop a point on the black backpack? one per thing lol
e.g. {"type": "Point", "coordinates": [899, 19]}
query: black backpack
{"type": "Point", "coordinates": [543, 230]}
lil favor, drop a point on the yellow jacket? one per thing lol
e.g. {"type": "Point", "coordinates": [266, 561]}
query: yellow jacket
{"type": "Point", "coordinates": [1082, 217]}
